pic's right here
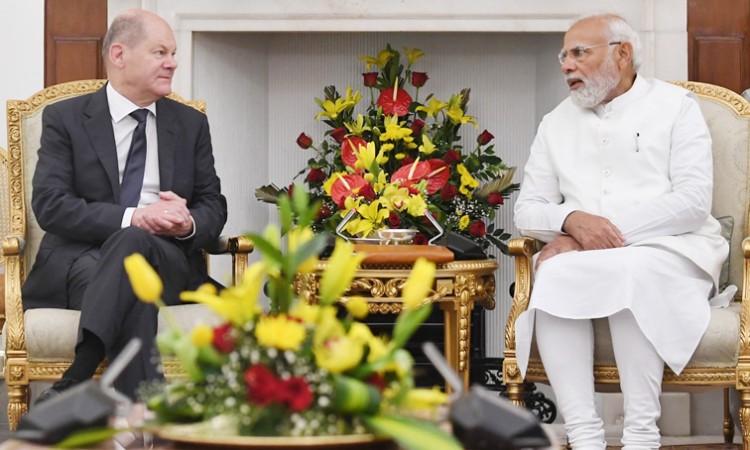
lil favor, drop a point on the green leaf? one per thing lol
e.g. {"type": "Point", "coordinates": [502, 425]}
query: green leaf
{"type": "Point", "coordinates": [285, 213]}
{"type": "Point", "coordinates": [88, 437]}
{"type": "Point", "coordinates": [412, 434]}
{"type": "Point", "coordinates": [408, 322]}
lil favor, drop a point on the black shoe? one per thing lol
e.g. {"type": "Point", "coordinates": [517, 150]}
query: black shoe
{"type": "Point", "coordinates": [58, 387]}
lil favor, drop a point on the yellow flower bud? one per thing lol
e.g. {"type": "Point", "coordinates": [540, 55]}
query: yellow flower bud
{"type": "Point", "coordinates": [145, 281]}
{"type": "Point", "coordinates": [357, 307]}
{"type": "Point", "coordinates": [418, 285]}
{"type": "Point", "coordinates": [202, 335]}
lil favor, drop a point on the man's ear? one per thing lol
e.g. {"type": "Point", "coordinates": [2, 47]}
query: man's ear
{"type": "Point", "coordinates": [116, 55]}
{"type": "Point", "coordinates": [626, 54]}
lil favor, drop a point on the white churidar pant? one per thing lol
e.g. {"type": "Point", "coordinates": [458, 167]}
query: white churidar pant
{"type": "Point", "coordinates": [666, 295]}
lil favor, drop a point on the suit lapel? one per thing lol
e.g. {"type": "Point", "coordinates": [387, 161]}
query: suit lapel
{"type": "Point", "coordinates": [97, 123]}
{"type": "Point", "coordinates": [168, 130]}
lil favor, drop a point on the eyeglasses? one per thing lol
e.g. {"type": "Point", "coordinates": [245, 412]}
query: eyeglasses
{"type": "Point", "coordinates": [579, 53]}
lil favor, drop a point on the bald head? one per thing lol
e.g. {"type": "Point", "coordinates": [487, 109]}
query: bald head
{"type": "Point", "coordinates": [139, 51]}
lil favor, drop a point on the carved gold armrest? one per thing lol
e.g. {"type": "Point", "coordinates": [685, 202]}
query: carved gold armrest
{"type": "Point", "coordinates": [744, 351]}
{"type": "Point", "coordinates": [522, 249]}
{"type": "Point", "coordinates": [239, 247]}
{"type": "Point", "coordinates": [13, 248]}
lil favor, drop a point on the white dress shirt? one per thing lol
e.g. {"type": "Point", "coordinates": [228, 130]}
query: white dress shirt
{"type": "Point", "coordinates": [123, 126]}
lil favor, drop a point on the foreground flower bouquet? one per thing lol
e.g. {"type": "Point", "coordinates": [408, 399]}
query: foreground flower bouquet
{"type": "Point", "coordinates": [400, 158]}
{"type": "Point", "coordinates": [296, 369]}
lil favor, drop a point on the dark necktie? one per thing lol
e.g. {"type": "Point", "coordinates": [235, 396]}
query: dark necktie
{"type": "Point", "coordinates": [132, 177]}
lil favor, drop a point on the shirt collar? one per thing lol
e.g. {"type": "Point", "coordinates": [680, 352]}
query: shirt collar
{"type": "Point", "coordinates": [119, 106]}
{"type": "Point", "coordinates": [640, 87]}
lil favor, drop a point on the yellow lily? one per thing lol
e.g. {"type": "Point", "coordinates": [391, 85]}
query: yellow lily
{"type": "Point", "coordinates": [359, 127]}
{"type": "Point", "coordinates": [352, 98]}
{"type": "Point", "coordinates": [146, 283]}
{"type": "Point", "coordinates": [425, 399]}
{"type": "Point", "coordinates": [418, 285]}
{"type": "Point", "coordinates": [413, 54]}
{"type": "Point", "coordinates": [381, 60]}
{"type": "Point", "coordinates": [237, 304]}
{"type": "Point", "coordinates": [427, 146]}
{"type": "Point", "coordinates": [457, 116]}
{"type": "Point", "coordinates": [332, 109]}
{"type": "Point", "coordinates": [434, 106]}
{"type": "Point", "coordinates": [372, 217]}
{"type": "Point", "coordinates": [342, 265]}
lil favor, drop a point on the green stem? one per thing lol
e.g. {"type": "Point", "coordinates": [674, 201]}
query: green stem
{"type": "Point", "coordinates": [168, 316]}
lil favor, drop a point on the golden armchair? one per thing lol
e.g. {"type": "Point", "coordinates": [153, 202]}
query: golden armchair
{"type": "Point", "coordinates": [722, 359]}
{"type": "Point", "coordinates": [39, 343]}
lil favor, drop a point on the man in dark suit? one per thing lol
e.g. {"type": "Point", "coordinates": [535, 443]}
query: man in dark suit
{"type": "Point", "coordinates": [123, 170]}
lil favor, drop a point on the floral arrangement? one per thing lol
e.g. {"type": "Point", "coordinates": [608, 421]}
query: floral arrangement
{"type": "Point", "coordinates": [401, 159]}
{"type": "Point", "coordinates": [297, 369]}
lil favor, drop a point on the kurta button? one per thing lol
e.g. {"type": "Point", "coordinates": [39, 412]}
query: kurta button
{"type": "Point", "coordinates": [607, 172]}
{"type": "Point", "coordinates": [605, 140]}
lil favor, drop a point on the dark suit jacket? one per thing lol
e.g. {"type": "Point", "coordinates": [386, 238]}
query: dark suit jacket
{"type": "Point", "coordinates": [76, 187]}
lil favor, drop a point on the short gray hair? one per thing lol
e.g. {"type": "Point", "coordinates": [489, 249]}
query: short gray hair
{"type": "Point", "coordinates": [126, 28]}
{"type": "Point", "coordinates": [619, 30]}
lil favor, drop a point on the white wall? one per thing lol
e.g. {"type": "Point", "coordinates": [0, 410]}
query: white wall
{"type": "Point", "coordinates": [21, 54]}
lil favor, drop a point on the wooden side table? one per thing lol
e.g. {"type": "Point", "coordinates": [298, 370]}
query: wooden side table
{"type": "Point", "coordinates": [458, 286]}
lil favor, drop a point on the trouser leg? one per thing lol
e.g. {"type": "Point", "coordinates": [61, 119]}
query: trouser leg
{"type": "Point", "coordinates": [110, 310]}
{"type": "Point", "coordinates": [566, 347]}
{"type": "Point", "coordinates": [641, 370]}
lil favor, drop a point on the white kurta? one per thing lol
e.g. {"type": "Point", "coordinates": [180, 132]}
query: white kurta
{"type": "Point", "coordinates": [643, 161]}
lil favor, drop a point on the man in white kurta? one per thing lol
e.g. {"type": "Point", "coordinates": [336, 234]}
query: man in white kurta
{"type": "Point", "coordinates": [619, 185]}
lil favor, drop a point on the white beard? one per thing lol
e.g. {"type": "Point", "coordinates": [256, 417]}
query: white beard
{"type": "Point", "coordinates": [596, 88]}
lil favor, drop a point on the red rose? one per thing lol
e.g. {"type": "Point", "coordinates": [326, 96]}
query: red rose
{"type": "Point", "coordinates": [391, 105]}
{"type": "Point", "coordinates": [416, 126]}
{"type": "Point", "coordinates": [296, 394]}
{"type": "Point", "coordinates": [376, 380]}
{"type": "Point", "coordinates": [420, 239]}
{"type": "Point", "coordinates": [370, 79]}
{"type": "Point", "coordinates": [495, 199]}
{"type": "Point", "coordinates": [418, 79]}
{"type": "Point", "coordinates": [451, 156]}
{"type": "Point", "coordinates": [339, 134]}
{"type": "Point", "coordinates": [304, 141]}
{"type": "Point", "coordinates": [323, 212]}
{"type": "Point", "coordinates": [394, 220]}
{"type": "Point", "coordinates": [477, 229]}
{"type": "Point", "coordinates": [263, 388]}
{"type": "Point", "coordinates": [224, 341]}
{"type": "Point", "coordinates": [367, 192]}
{"type": "Point", "coordinates": [448, 192]}
{"type": "Point", "coordinates": [316, 175]}
{"type": "Point", "coordinates": [485, 138]}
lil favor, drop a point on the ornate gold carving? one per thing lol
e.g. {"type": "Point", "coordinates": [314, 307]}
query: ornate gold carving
{"type": "Point", "coordinates": [731, 99]}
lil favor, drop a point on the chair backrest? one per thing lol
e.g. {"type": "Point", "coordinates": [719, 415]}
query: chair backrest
{"type": "Point", "coordinates": [728, 118]}
{"type": "Point", "coordinates": [24, 137]}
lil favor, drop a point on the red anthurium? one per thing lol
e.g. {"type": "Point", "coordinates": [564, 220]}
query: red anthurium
{"type": "Point", "coordinates": [411, 174]}
{"type": "Point", "coordinates": [350, 148]}
{"type": "Point", "coordinates": [351, 185]}
{"type": "Point", "coordinates": [397, 103]}
{"type": "Point", "coordinates": [438, 176]}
